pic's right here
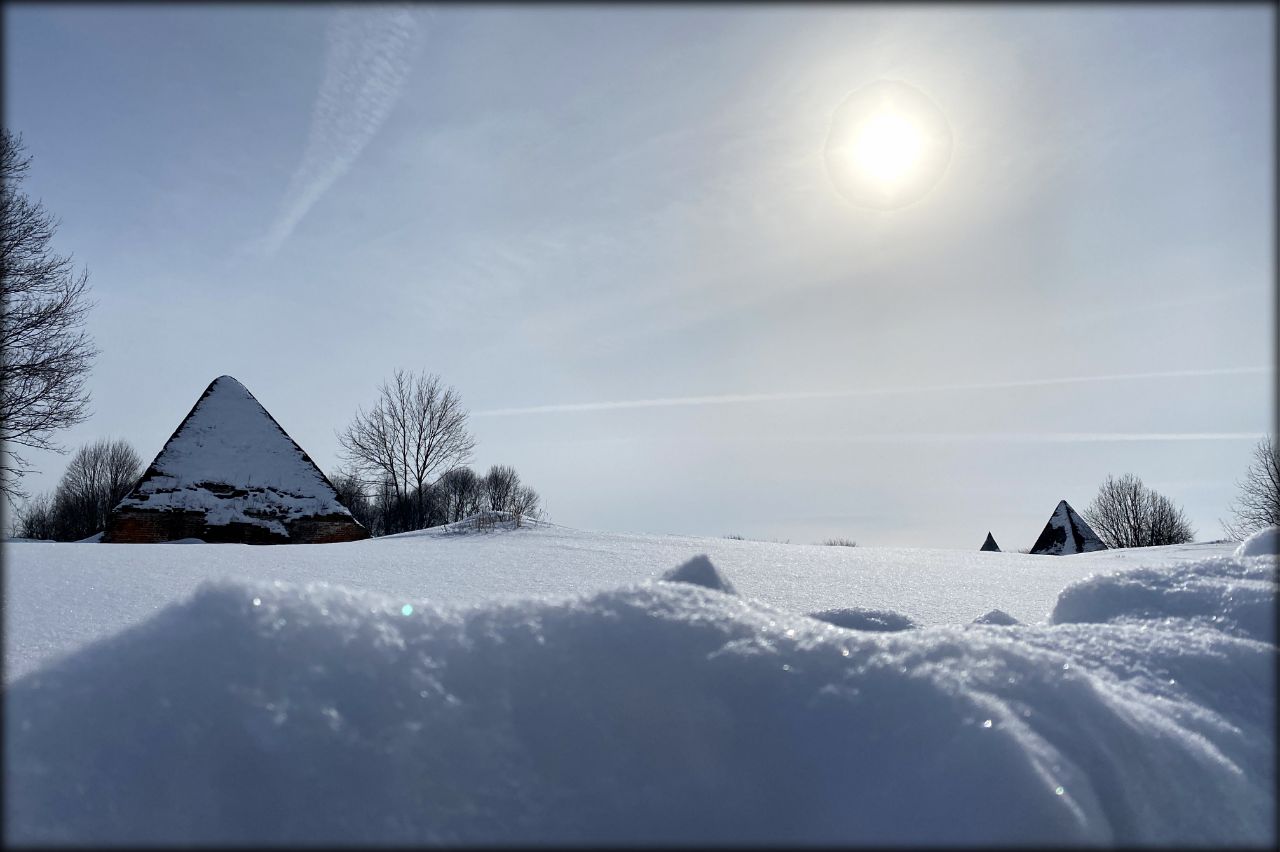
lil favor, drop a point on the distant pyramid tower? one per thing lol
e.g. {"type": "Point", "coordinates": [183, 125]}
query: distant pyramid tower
{"type": "Point", "coordinates": [229, 473]}
{"type": "Point", "coordinates": [1066, 533]}
{"type": "Point", "coordinates": [990, 544]}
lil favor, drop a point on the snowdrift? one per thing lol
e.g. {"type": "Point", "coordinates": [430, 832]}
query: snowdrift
{"type": "Point", "coordinates": [861, 618]}
{"type": "Point", "coordinates": [1265, 542]}
{"type": "Point", "coordinates": [1234, 595]}
{"type": "Point", "coordinates": [58, 598]}
{"type": "Point", "coordinates": [659, 712]}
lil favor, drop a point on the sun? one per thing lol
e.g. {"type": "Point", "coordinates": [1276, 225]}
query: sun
{"type": "Point", "coordinates": [888, 146]}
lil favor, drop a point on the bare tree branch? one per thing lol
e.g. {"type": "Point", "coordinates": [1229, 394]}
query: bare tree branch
{"type": "Point", "coordinates": [416, 429]}
{"type": "Point", "coordinates": [45, 353]}
{"type": "Point", "coordinates": [1126, 513]}
{"type": "Point", "coordinates": [98, 477]}
{"type": "Point", "coordinates": [1257, 505]}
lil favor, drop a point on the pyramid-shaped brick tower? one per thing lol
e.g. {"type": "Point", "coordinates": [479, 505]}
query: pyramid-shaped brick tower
{"type": "Point", "coordinates": [1066, 533]}
{"type": "Point", "coordinates": [229, 473]}
{"type": "Point", "coordinates": [990, 544]}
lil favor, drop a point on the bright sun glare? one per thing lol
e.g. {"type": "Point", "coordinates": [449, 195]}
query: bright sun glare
{"type": "Point", "coordinates": [887, 148]}
{"type": "Point", "coordinates": [888, 145]}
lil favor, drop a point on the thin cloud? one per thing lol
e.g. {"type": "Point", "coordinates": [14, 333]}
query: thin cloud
{"type": "Point", "coordinates": [366, 66]}
{"type": "Point", "coordinates": [727, 399]}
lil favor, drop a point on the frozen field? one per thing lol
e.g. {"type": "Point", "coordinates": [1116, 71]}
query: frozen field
{"type": "Point", "coordinates": [543, 686]}
{"type": "Point", "coordinates": [60, 596]}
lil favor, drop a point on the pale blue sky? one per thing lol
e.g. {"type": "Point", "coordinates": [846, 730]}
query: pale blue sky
{"type": "Point", "coordinates": [566, 205]}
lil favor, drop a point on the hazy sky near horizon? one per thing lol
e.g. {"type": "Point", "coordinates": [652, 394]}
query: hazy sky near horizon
{"type": "Point", "coordinates": [612, 230]}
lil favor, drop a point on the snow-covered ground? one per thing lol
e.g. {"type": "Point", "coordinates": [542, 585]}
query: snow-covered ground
{"type": "Point", "coordinates": [58, 597]}
{"type": "Point", "coordinates": [542, 685]}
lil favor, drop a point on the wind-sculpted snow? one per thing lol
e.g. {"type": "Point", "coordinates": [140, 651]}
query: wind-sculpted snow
{"type": "Point", "coordinates": [861, 618]}
{"type": "Point", "coordinates": [1265, 542]}
{"type": "Point", "coordinates": [1235, 595]}
{"type": "Point", "coordinates": [652, 713]}
{"type": "Point", "coordinates": [699, 571]}
{"type": "Point", "coordinates": [59, 598]}
{"type": "Point", "coordinates": [996, 616]}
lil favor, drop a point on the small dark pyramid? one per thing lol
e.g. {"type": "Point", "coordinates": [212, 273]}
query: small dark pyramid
{"type": "Point", "coordinates": [1066, 533]}
{"type": "Point", "coordinates": [990, 544]}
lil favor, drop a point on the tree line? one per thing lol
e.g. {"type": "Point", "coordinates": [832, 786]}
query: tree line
{"type": "Point", "coordinates": [458, 494]}
{"type": "Point", "coordinates": [405, 462]}
{"type": "Point", "coordinates": [98, 476]}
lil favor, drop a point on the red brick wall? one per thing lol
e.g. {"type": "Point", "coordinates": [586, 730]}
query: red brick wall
{"type": "Point", "coordinates": [325, 530]}
{"type": "Point", "coordinates": [134, 526]}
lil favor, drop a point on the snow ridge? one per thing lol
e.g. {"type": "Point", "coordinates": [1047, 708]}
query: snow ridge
{"type": "Point", "coordinates": [655, 713]}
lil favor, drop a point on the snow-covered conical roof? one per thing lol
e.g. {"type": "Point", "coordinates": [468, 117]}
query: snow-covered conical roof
{"type": "Point", "coordinates": [990, 543]}
{"type": "Point", "coordinates": [231, 460]}
{"type": "Point", "coordinates": [1066, 533]}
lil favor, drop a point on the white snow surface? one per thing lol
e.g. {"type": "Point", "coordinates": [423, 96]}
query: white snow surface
{"type": "Point", "coordinates": [861, 618]}
{"type": "Point", "coordinates": [1265, 542]}
{"type": "Point", "coordinates": [272, 712]}
{"type": "Point", "coordinates": [996, 616]}
{"type": "Point", "coordinates": [59, 597]}
{"type": "Point", "coordinates": [229, 439]}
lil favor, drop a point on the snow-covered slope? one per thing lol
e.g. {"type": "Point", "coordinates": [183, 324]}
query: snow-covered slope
{"type": "Point", "coordinates": [60, 596]}
{"type": "Point", "coordinates": [650, 712]}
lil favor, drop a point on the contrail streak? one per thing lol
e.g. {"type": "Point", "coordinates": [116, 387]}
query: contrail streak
{"type": "Point", "coordinates": [1030, 437]}
{"type": "Point", "coordinates": [726, 399]}
{"type": "Point", "coordinates": [365, 68]}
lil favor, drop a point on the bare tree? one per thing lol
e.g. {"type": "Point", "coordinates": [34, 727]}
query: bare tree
{"type": "Point", "coordinates": [352, 493]}
{"type": "Point", "coordinates": [1258, 503]}
{"type": "Point", "coordinates": [98, 477]}
{"type": "Point", "coordinates": [1126, 513]}
{"type": "Point", "coordinates": [463, 492]}
{"type": "Point", "coordinates": [36, 519]}
{"type": "Point", "coordinates": [45, 353]}
{"type": "Point", "coordinates": [434, 503]}
{"type": "Point", "coordinates": [525, 503]}
{"type": "Point", "coordinates": [416, 428]}
{"type": "Point", "coordinates": [499, 486]}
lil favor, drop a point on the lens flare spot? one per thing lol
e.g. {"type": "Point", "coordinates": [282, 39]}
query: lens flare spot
{"type": "Point", "coordinates": [407, 609]}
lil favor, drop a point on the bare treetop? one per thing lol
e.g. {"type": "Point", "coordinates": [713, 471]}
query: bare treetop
{"type": "Point", "coordinates": [1257, 505]}
{"type": "Point", "coordinates": [416, 428]}
{"type": "Point", "coordinates": [1126, 513]}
